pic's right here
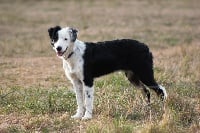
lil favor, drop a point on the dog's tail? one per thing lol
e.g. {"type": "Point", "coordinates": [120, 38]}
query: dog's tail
{"type": "Point", "coordinates": [164, 92]}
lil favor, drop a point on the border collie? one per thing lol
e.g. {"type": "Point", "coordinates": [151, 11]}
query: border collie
{"type": "Point", "coordinates": [85, 61]}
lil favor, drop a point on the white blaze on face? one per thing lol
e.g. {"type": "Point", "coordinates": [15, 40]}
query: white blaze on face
{"type": "Point", "coordinates": [63, 41]}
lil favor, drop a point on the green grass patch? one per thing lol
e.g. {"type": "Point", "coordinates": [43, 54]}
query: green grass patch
{"type": "Point", "coordinates": [118, 107]}
{"type": "Point", "coordinates": [37, 100]}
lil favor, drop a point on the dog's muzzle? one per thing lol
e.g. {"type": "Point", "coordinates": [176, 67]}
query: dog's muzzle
{"type": "Point", "coordinates": [59, 51]}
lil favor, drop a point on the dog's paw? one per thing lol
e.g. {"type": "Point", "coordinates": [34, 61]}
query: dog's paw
{"type": "Point", "coordinates": [77, 116]}
{"type": "Point", "coordinates": [87, 116]}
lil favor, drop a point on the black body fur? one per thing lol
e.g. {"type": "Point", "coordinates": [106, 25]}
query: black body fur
{"type": "Point", "coordinates": [130, 56]}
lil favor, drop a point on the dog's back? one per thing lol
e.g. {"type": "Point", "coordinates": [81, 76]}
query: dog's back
{"type": "Point", "coordinates": [118, 46]}
{"type": "Point", "coordinates": [109, 56]}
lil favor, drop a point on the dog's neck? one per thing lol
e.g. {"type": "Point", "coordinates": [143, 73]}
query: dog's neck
{"type": "Point", "coordinates": [74, 55]}
{"type": "Point", "coordinates": [75, 49]}
{"type": "Point", "coordinates": [70, 51]}
{"type": "Point", "coordinates": [78, 48]}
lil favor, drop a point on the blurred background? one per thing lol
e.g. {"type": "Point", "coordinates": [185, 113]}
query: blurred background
{"type": "Point", "coordinates": [170, 28]}
{"type": "Point", "coordinates": [159, 23]}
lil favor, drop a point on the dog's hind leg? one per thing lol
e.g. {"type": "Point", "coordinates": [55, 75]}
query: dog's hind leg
{"type": "Point", "coordinates": [135, 81]}
{"type": "Point", "coordinates": [132, 78]}
{"type": "Point", "coordinates": [146, 93]}
{"type": "Point", "coordinates": [146, 76]}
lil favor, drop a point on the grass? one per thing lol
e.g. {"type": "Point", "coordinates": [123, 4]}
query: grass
{"type": "Point", "coordinates": [118, 108]}
{"type": "Point", "coordinates": [32, 99]}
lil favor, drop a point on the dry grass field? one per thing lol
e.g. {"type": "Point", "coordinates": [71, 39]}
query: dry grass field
{"type": "Point", "coordinates": [35, 96]}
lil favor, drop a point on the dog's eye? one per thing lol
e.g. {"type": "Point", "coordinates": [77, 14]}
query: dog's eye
{"type": "Point", "coordinates": [65, 39]}
{"type": "Point", "coordinates": [52, 42]}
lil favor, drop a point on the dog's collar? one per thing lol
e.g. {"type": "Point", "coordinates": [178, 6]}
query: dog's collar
{"type": "Point", "coordinates": [70, 55]}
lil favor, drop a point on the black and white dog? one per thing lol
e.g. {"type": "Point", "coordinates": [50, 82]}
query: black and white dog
{"type": "Point", "coordinates": [84, 61]}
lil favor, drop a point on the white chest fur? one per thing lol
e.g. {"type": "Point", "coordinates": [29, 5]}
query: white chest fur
{"type": "Point", "coordinates": [74, 65]}
{"type": "Point", "coordinates": [73, 69]}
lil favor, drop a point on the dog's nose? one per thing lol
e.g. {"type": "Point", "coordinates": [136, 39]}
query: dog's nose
{"type": "Point", "coordinates": [59, 48]}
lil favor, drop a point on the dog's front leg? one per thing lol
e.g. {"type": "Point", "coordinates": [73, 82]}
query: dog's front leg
{"type": "Point", "coordinates": [89, 98]}
{"type": "Point", "coordinates": [79, 99]}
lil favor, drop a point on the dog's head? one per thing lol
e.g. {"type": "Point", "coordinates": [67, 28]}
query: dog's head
{"type": "Point", "coordinates": [62, 38]}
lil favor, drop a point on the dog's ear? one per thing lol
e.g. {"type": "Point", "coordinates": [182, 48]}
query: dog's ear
{"type": "Point", "coordinates": [73, 34]}
{"type": "Point", "coordinates": [53, 30]}
{"type": "Point", "coordinates": [50, 30]}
